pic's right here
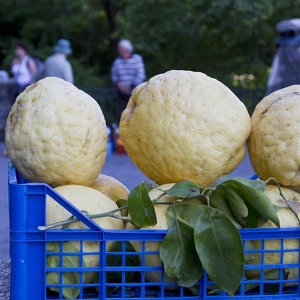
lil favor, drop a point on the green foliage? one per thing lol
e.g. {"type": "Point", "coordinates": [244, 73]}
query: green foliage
{"type": "Point", "coordinates": [233, 41]}
{"type": "Point", "coordinates": [139, 200]}
{"type": "Point", "coordinates": [216, 37]}
{"type": "Point", "coordinates": [204, 234]}
{"type": "Point", "coordinates": [216, 237]}
{"type": "Point", "coordinates": [178, 245]}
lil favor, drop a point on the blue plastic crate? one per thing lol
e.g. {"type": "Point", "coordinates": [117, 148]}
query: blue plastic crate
{"type": "Point", "coordinates": [120, 279]}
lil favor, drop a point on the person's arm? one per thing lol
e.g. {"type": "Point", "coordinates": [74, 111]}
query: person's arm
{"type": "Point", "coordinates": [32, 67]}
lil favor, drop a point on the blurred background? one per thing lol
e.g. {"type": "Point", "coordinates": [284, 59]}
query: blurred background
{"type": "Point", "coordinates": [233, 41]}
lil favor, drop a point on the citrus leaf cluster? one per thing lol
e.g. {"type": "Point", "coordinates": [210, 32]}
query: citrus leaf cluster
{"type": "Point", "coordinates": [204, 235]}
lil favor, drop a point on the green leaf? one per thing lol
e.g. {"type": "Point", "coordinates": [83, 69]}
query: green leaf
{"type": "Point", "coordinates": [180, 258]}
{"type": "Point", "coordinates": [254, 184]}
{"type": "Point", "coordinates": [221, 180]}
{"type": "Point", "coordinates": [257, 202]}
{"type": "Point", "coordinates": [236, 204]}
{"type": "Point", "coordinates": [184, 189]}
{"type": "Point", "coordinates": [141, 208]}
{"type": "Point", "coordinates": [217, 200]}
{"type": "Point", "coordinates": [218, 244]}
{"type": "Point", "coordinates": [177, 250]}
{"type": "Point", "coordinates": [69, 261]}
{"type": "Point", "coordinates": [185, 213]}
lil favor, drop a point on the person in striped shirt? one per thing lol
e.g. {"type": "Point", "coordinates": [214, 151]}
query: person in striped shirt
{"type": "Point", "coordinates": [127, 72]}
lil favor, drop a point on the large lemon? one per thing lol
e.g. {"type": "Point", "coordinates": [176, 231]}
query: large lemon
{"type": "Point", "coordinates": [111, 187]}
{"type": "Point", "coordinates": [90, 201]}
{"type": "Point", "coordinates": [274, 141]}
{"type": "Point", "coordinates": [288, 219]}
{"type": "Point", "coordinates": [56, 133]}
{"type": "Point", "coordinates": [184, 125]}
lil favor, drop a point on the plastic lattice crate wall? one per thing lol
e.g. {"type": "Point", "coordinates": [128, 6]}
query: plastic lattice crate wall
{"type": "Point", "coordinates": [122, 272]}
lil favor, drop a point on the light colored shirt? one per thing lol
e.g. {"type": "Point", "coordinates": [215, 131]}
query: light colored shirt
{"type": "Point", "coordinates": [131, 71]}
{"type": "Point", "coordinates": [21, 72]}
{"type": "Point", "coordinates": [57, 65]}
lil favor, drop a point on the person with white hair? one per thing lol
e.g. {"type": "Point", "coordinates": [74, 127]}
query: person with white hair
{"type": "Point", "coordinates": [127, 72]}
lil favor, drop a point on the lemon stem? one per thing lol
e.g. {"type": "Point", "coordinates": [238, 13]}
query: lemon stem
{"type": "Point", "coordinates": [287, 203]}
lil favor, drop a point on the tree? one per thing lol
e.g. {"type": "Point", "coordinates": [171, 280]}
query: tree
{"type": "Point", "coordinates": [221, 38]}
{"type": "Point", "coordinates": [234, 41]}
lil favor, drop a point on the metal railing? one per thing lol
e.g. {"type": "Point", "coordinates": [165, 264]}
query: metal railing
{"type": "Point", "coordinates": [107, 98]}
{"type": "Point", "coordinates": [250, 97]}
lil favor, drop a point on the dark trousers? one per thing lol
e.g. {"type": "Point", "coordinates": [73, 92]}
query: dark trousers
{"type": "Point", "coordinates": [122, 103]}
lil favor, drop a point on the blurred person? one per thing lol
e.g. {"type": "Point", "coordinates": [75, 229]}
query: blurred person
{"type": "Point", "coordinates": [4, 75]}
{"type": "Point", "coordinates": [127, 72]}
{"type": "Point", "coordinates": [23, 66]}
{"type": "Point", "coordinates": [57, 64]}
{"type": "Point", "coordinates": [285, 69]}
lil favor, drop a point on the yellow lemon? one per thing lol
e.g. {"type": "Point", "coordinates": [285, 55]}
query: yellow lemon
{"type": "Point", "coordinates": [111, 187]}
{"type": "Point", "coordinates": [184, 125]}
{"type": "Point", "coordinates": [56, 133]}
{"type": "Point", "coordinates": [274, 141]}
{"type": "Point", "coordinates": [90, 201]}
{"type": "Point", "coordinates": [287, 219]}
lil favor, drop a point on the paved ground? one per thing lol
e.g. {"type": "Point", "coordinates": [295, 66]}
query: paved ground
{"type": "Point", "coordinates": [118, 166]}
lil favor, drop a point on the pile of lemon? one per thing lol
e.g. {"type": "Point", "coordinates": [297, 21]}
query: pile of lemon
{"type": "Point", "coordinates": [180, 125]}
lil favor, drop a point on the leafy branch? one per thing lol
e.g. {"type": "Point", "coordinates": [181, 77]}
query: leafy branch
{"type": "Point", "coordinates": [206, 231]}
{"type": "Point", "coordinates": [203, 226]}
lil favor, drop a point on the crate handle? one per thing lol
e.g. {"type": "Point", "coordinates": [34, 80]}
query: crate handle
{"type": "Point", "coordinates": [43, 188]}
{"type": "Point", "coordinates": [72, 209]}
